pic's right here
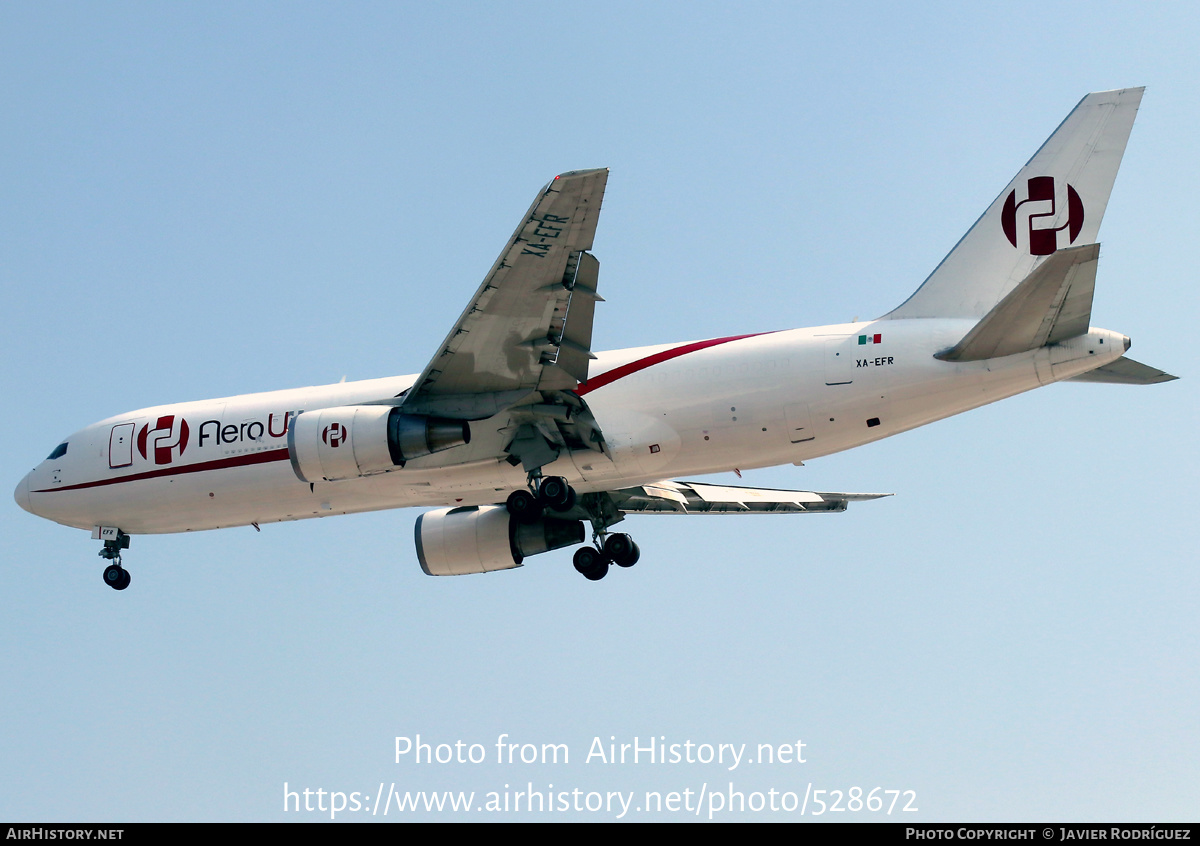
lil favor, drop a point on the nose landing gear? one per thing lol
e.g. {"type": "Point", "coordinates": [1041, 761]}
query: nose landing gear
{"type": "Point", "coordinates": [115, 576]}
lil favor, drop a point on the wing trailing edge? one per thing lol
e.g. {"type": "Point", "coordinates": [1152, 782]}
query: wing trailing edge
{"type": "Point", "coordinates": [669, 497]}
{"type": "Point", "coordinates": [529, 326]}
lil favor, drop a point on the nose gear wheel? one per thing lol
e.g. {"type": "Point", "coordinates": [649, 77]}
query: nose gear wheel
{"type": "Point", "coordinates": [115, 576]}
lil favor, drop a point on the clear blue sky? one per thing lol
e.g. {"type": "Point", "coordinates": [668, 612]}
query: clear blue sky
{"type": "Point", "coordinates": [199, 200]}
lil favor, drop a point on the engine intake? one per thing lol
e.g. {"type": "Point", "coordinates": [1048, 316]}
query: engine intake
{"type": "Point", "coordinates": [481, 539]}
{"type": "Point", "coordinates": [347, 442]}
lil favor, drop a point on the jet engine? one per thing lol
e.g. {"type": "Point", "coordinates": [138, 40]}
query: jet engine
{"type": "Point", "coordinates": [479, 539]}
{"type": "Point", "coordinates": [346, 442]}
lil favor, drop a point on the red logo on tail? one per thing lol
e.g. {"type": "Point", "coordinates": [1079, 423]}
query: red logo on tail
{"type": "Point", "coordinates": [1043, 239]}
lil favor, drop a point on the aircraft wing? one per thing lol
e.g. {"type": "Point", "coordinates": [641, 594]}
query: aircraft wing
{"type": "Point", "coordinates": [529, 326]}
{"type": "Point", "coordinates": [667, 497]}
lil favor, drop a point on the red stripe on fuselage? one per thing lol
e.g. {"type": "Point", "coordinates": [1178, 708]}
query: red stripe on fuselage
{"type": "Point", "coordinates": [200, 467]}
{"type": "Point", "coordinates": [657, 358]}
{"type": "Point", "coordinates": [590, 385]}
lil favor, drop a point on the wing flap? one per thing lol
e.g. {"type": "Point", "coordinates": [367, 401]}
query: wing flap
{"type": "Point", "coordinates": [670, 497]}
{"type": "Point", "coordinates": [513, 326]}
{"type": "Point", "coordinates": [575, 347]}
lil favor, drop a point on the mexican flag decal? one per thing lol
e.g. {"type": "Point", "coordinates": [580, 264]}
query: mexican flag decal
{"type": "Point", "coordinates": [870, 339]}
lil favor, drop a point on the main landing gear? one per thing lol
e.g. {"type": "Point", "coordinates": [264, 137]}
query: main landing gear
{"type": "Point", "coordinates": [618, 548]}
{"type": "Point", "coordinates": [550, 492]}
{"type": "Point", "coordinates": [115, 576]}
{"type": "Point", "coordinates": [553, 494]}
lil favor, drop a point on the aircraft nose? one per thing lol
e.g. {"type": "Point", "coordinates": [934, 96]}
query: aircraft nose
{"type": "Point", "coordinates": [21, 495]}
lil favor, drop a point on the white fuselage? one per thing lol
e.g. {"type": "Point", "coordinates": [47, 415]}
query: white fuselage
{"type": "Point", "coordinates": [665, 411]}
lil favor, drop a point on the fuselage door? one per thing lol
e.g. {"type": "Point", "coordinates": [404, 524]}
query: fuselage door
{"type": "Point", "coordinates": [839, 360]}
{"type": "Point", "coordinates": [120, 445]}
{"type": "Point", "coordinates": [799, 423]}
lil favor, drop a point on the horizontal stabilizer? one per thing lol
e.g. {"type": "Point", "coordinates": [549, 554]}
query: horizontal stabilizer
{"type": "Point", "coordinates": [1050, 305]}
{"type": "Point", "coordinates": [668, 497]}
{"type": "Point", "coordinates": [1125, 371]}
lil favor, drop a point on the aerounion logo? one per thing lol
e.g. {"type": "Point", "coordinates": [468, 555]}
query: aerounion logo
{"type": "Point", "coordinates": [163, 440]}
{"type": "Point", "coordinates": [1043, 234]}
{"type": "Point", "coordinates": [334, 434]}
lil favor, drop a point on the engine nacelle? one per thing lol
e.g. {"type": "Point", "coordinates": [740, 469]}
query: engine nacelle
{"type": "Point", "coordinates": [480, 539]}
{"type": "Point", "coordinates": [346, 442]}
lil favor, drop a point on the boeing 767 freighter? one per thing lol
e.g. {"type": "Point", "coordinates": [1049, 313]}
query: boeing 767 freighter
{"type": "Point", "coordinates": [522, 436]}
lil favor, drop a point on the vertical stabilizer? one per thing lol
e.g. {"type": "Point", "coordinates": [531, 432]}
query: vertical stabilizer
{"type": "Point", "coordinates": [1056, 201]}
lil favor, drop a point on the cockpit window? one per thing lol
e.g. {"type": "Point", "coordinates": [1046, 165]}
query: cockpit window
{"type": "Point", "coordinates": [59, 452]}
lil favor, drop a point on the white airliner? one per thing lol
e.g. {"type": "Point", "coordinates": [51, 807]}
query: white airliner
{"type": "Point", "coordinates": [522, 434]}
